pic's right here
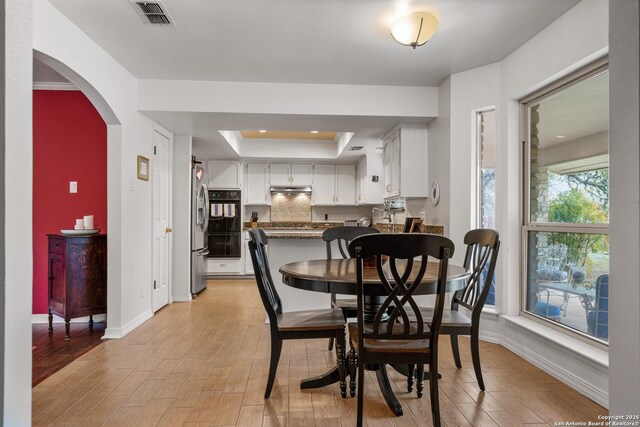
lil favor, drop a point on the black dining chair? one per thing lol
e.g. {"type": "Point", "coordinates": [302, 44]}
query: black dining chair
{"type": "Point", "coordinates": [392, 337]}
{"type": "Point", "coordinates": [342, 236]}
{"type": "Point", "coordinates": [325, 323]}
{"type": "Point", "coordinates": [480, 258]}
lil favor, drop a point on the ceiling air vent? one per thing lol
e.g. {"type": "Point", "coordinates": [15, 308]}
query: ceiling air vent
{"type": "Point", "coordinates": [152, 12]}
{"type": "Point", "coordinates": [356, 148]}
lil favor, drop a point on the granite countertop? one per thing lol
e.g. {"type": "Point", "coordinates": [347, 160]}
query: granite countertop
{"type": "Point", "coordinates": [293, 225]}
{"type": "Point", "coordinates": [293, 230]}
{"type": "Point", "coordinates": [397, 228]}
{"type": "Point", "coordinates": [293, 235]}
{"type": "Point", "coordinates": [313, 230]}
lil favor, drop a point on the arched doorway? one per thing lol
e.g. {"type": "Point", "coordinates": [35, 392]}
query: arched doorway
{"type": "Point", "coordinates": [113, 195]}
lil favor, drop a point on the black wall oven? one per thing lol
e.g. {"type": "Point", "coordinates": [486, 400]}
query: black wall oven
{"type": "Point", "coordinates": [225, 224]}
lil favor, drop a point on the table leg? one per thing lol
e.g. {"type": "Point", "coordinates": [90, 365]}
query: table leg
{"type": "Point", "coordinates": [332, 375]}
{"type": "Point", "coordinates": [387, 392]}
{"type": "Point", "coordinates": [371, 306]}
{"type": "Point", "coordinates": [329, 377]}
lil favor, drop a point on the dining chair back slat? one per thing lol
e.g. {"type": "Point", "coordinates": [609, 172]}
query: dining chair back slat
{"type": "Point", "coordinates": [480, 259]}
{"type": "Point", "coordinates": [268, 293]}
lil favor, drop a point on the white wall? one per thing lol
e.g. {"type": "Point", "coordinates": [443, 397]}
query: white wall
{"type": "Point", "coordinates": [129, 134]}
{"type": "Point", "coordinates": [624, 113]}
{"type": "Point", "coordinates": [439, 158]}
{"type": "Point", "coordinates": [16, 263]}
{"type": "Point", "coordinates": [288, 98]}
{"type": "Point", "coordinates": [181, 214]}
{"type": "Point", "coordinates": [471, 91]}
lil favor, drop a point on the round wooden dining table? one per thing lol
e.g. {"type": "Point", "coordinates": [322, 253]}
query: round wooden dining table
{"type": "Point", "coordinates": [339, 276]}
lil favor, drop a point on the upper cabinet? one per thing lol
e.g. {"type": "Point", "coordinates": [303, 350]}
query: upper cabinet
{"type": "Point", "coordinates": [287, 174]}
{"type": "Point", "coordinates": [345, 185]}
{"type": "Point", "coordinates": [369, 176]}
{"type": "Point", "coordinates": [302, 175]}
{"type": "Point", "coordinates": [334, 185]}
{"type": "Point", "coordinates": [224, 174]}
{"type": "Point", "coordinates": [257, 184]}
{"type": "Point", "coordinates": [405, 163]}
{"type": "Point", "coordinates": [280, 175]}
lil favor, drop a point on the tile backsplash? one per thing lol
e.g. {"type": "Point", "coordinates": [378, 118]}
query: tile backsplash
{"type": "Point", "coordinates": [291, 207]}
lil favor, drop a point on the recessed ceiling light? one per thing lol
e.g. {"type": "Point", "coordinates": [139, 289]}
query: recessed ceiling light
{"type": "Point", "coordinates": [560, 136]}
{"type": "Point", "coordinates": [262, 131]}
{"type": "Point", "coordinates": [314, 131]}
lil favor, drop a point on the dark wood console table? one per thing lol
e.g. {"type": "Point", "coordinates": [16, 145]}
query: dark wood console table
{"type": "Point", "coordinates": [77, 277]}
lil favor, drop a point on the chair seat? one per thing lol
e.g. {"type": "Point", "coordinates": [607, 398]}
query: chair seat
{"type": "Point", "coordinates": [450, 318]}
{"type": "Point", "coordinates": [547, 310]}
{"type": "Point", "coordinates": [311, 320]}
{"type": "Point", "coordinates": [388, 346]}
{"type": "Point", "coordinates": [346, 304]}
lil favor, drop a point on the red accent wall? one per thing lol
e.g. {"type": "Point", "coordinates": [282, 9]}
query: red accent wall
{"type": "Point", "coordinates": [69, 144]}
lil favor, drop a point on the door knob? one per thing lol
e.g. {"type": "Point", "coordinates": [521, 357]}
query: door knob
{"type": "Point", "coordinates": [168, 229]}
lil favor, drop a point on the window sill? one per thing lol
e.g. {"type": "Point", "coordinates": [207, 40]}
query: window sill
{"type": "Point", "coordinates": [490, 313]}
{"type": "Point", "coordinates": [570, 345]}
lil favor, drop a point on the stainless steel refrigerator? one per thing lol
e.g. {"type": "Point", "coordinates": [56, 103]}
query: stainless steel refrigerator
{"type": "Point", "coordinates": [199, 225]}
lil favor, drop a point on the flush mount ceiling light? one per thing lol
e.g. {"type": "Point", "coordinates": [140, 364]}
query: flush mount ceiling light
{"type": "Point", "coordinates": [414, 29]}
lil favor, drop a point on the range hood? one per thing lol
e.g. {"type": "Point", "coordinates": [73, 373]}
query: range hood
{"type": "Point", "coordinates": [291, 189]}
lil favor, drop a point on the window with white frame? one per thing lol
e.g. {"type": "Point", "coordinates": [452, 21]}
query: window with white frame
{"type": "Point", "coordinates": [566, 207]}
{"type": "Point", "coordinates": [486, 178]}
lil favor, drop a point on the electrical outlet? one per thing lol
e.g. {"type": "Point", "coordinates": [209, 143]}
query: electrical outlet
{"type": "Point", "coordinates": [73, 186]}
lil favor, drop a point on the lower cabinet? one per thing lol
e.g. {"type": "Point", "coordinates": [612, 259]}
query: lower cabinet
{"type": "Point", "coordinates": [223, 266]}
{"type": "Point", "coordinates": [248, 264]}
{"type": "Point", "coordinates": [77, 277]}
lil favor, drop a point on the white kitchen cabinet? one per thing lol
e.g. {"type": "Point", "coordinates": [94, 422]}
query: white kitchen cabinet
{"type": "Point", "coordinates": [345, 185]}
{"type": "Point", "coordinates": [324, 185]}
{"type": "Point", "coordinates": [334, 185]}
{"type": "Point", "coordinates": [280, 174]}
{"type": "Point", "coordinates": [257, 184]}
{"type": "Point", "coordinates": [224, 175]}
{"type": "Point", "coordinates": [369, 186]}
{"type": "Point", "coordinates": [302, 175]}
{"type": "Point", "coordinates": [223, 266]}
{"type": "Point", "coordinates": [405, 163]}
{"type": "Point", "coordinates": [286, 174]}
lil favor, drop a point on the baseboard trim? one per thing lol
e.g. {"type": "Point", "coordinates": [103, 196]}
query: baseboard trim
{"type": "Point", "coordinates": [117, 333]}
{"type": "Point", "coordinates": [44, 318]}
{"type": "Point", "coordinates": [182, 298]}
{"type": "Point", "coordinates": [599, 396]}
{"type": "Point", "coordinates": [491, 337]}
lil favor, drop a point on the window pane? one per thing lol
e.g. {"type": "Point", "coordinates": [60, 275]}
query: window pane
{"type": "Point", "coordinates": [568, 280]}
{"type": "Point", "coordinates": [487, 183]}
{"type": "Point", "coordinates": [487, 150]}
{"type": "Point", "coordinates": [569, 154]}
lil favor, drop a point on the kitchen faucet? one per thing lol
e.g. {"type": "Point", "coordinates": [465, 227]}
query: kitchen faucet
{"type": "Point", "coordinates": [388, 215]}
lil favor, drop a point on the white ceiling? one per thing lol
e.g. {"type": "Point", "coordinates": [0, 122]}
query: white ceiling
{"type": "Point", "coordinates": [309, 41]}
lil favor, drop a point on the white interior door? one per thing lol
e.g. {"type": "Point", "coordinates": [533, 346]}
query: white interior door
{"type": "Point", "coordinates": [161, 205]}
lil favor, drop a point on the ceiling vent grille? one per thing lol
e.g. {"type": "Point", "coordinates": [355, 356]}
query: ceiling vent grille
{"type": "Point", "coordinates": [152, 12]}
{"type": "Point", "coordinates": [356, 148]}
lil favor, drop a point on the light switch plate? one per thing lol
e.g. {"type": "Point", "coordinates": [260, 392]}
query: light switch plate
{"type": "Point", "coordinates": [73, 186]}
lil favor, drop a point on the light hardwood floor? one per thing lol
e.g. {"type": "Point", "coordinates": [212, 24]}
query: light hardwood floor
{"type": "Point", "coordinates": [205, 363]}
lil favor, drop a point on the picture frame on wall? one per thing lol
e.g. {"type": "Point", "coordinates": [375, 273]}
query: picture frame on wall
{"type": "Point", "coordinates": [143, 168]}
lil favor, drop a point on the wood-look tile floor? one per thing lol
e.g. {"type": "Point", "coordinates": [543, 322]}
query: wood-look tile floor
{"type": "Point", "coordinates": [205, 363]}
